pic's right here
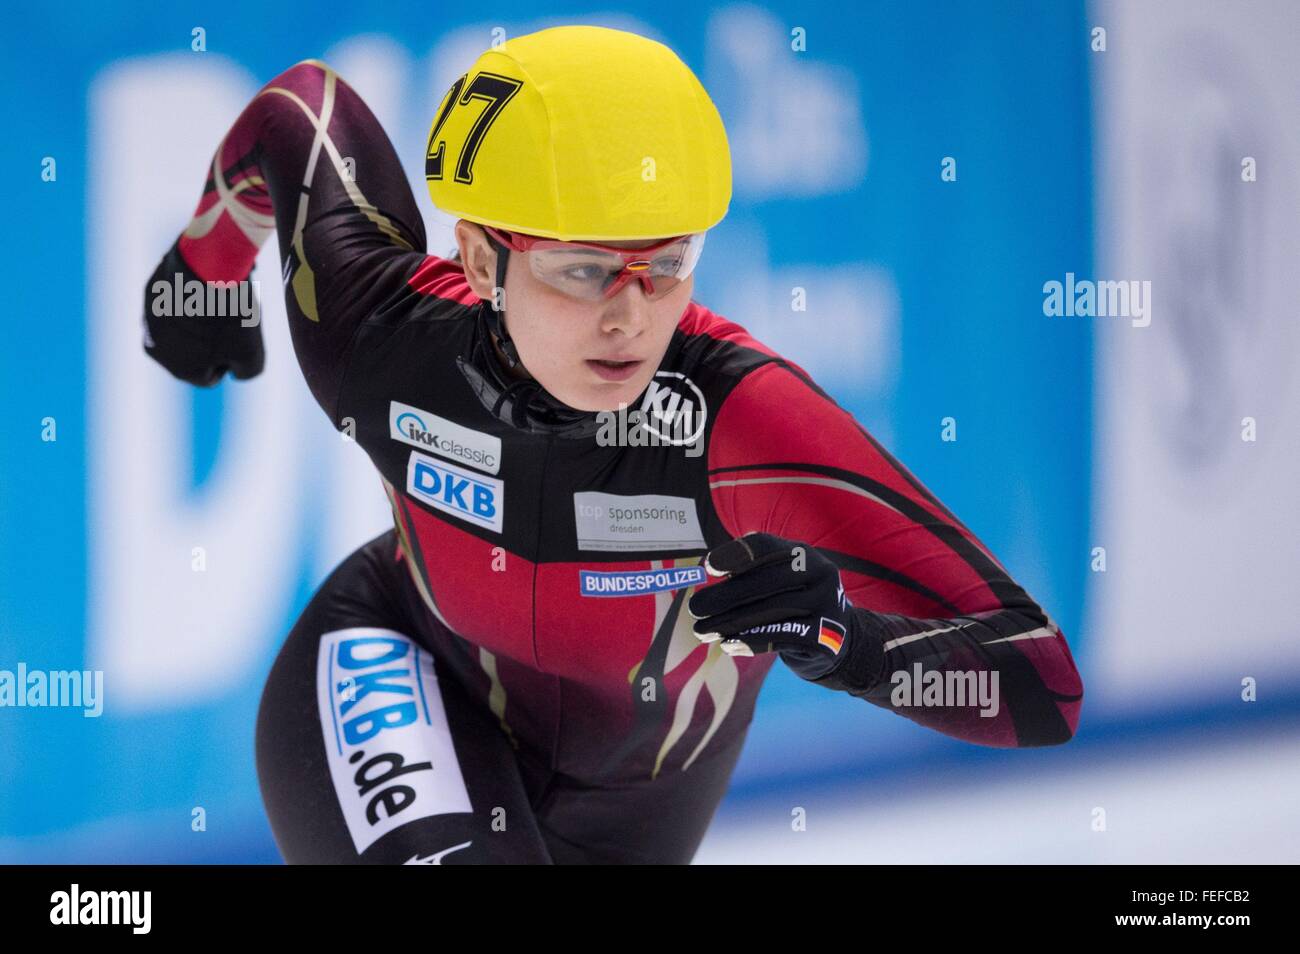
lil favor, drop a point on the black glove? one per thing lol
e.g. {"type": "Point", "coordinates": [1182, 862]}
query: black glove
{"type": "Point", "coordinates": [201, 348]}
{"type": "Point", "coordinates": [779, 595]}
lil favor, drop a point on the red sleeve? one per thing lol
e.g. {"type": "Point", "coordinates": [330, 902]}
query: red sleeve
{"type": "Point", "coordinates": [785, 459]}
{"type": "Point", "coordinates": [308, 160]}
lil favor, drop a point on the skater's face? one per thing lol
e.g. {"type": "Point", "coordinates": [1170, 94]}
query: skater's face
{"type": "Point", "coordinates": [593, 355]}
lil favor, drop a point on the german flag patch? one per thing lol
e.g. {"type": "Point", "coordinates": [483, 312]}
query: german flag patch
{"type": "Point", "coordinates": [831, 635]}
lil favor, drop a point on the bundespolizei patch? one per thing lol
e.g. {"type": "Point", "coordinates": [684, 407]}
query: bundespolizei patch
{"type": "Point", "coordinates": [638, 582]}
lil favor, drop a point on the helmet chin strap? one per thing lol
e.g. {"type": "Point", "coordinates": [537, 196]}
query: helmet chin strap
{"type": "Point", "coordinates": [496, 319]}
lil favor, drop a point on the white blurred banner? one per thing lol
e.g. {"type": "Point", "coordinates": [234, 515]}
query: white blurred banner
{"type": "Point", "coordinates": [1200, 526]}
{"type": "Point", "coordinates": [187, 591]}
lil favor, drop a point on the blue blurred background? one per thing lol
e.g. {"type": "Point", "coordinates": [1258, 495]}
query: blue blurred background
{"type": "Point", "coordinates": [1104, 463]}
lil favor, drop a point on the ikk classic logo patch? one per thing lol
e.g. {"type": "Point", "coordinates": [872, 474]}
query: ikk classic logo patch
{"type": "Point", "coordinates": [435, 434]}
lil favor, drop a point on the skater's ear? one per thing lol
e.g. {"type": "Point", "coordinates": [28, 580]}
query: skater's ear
{"type": "Point", "coordinates": [477, 256]}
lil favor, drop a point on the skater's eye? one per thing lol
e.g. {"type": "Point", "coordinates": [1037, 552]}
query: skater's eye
{"type": "Point", "coordinates": [585, 273]}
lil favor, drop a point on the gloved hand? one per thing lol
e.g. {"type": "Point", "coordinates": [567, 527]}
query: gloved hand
{"type": "Point", "coordinates": [199, 349]}
{"type": "Point", "coordinates": [778, 595]}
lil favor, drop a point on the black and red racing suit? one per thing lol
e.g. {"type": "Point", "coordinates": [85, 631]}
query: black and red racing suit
{"type": "Point", "coordinates": [573, 727]}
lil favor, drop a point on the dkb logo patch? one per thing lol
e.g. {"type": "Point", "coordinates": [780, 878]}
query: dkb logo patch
{"type": "Point", "coordinates": [456, 491]}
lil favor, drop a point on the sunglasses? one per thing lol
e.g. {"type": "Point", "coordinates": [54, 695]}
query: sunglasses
{"type": "Point", "coordinates": [592, 272]}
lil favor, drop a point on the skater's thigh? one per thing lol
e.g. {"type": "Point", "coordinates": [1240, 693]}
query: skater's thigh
{"type": "Point", "coordinates": [365, 755]}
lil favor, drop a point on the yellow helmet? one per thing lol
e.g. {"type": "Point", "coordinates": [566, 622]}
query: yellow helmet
{"type": "Point", "coordinates": [580, 133]}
